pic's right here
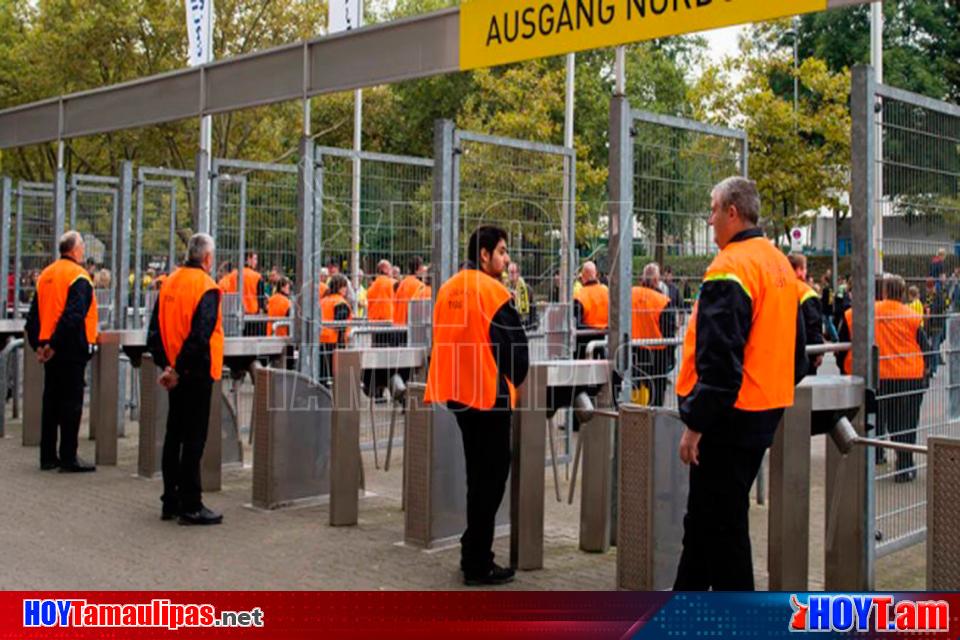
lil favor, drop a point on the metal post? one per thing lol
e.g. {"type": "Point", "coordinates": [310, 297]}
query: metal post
{"type": "Point", "coordinates": [620, 71]}
{"type": "Point", "coordinates": [172, 230]}
{"type": "Point", "coordinates": [18, 255]}
{"type": "Point", "coordinates": [6, 192]}
{"type": "Point", "coordinates": [355, 189]}
{"type": "Point", "coordinates": [442, 266]}
{"type": "Point", "coordinates": [203, 205]}
{"type": "Point", "coordinates": [620, 209]}
{"type": "Point", "coordinates": [876, 61]}
{"type": "Point", "coordinates": [59, 208]}
{"type": "Point", "coordinates": [138, 294]}
{"type": "Point", "coordinates": [850, 508]}
{"type": "Point", "coordinates": [306, 271]}
{"type": "Point", "coordinates": [121, 247]}
{"type": "Point", "coordinates": [242, 250]}
{"type": "Point", "coordinates": [72, 194]}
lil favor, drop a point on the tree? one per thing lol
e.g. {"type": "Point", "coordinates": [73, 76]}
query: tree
{"type": "Point", "coordinates": [799, 160]}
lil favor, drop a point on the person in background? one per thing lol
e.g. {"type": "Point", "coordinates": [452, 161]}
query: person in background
{"type": "Point", "coordinates": [591, 307]}
{"type": "Point", "coordinates": [673, 292]}
{"type": "Point", "coordinates": [380, 302]}
{"type": "Point", "coordinates": [225, 268]}
{"type": "Point", "coordinates": [654, 318]}
{"type": "Point", "coordinates": [273, 280]}
{"type": "Point", "coordinates": [935, 304]}
{"type": "Point", "coordinates": [405, 290]}
{"type": "Point", "coordinates": [809, 303]}
{"type": "Point", "coordinates": [826, 305]}
{"type": "Point", "coordinates": [278, 306]}
{"type": "Point", "coordinates": [253, 295]}
{"type": "Point", "coordinates": [517, 287]}
{"type": "Point", "coordinates": [913, 301]}
{"type": "Point", "coordinates": [361, 296]}
{"type": "Point", "coordinates": [333, 308]}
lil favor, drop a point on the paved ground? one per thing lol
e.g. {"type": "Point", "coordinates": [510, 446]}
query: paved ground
{"type": "Point", "coordinates": [103, 531]}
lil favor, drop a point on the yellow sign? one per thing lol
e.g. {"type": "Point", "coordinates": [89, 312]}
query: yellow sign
{"type": "Point", "coordinates": [494, 32]}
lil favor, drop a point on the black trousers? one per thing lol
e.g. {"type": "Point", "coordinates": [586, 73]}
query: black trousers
{"type": "Point", "coordinates": [486, 447]}
{"type": "Point", "coordinates": [187, 422]}
{"type": "Point", "coordinates": [898, 413]}
{"type": "Point", "coordinates": [63, 382]}
{"type": "Point", "coordinates": [716, 528]}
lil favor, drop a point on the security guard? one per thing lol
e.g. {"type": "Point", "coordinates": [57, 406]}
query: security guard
{"type": "Point", "coordinates": [61, 327]}
{"type": "Point", "coordinates": [906, 361]}
{"type": "Point", "coordinates": [654, 318]}
{"type": "Point", "coordinates": [406, 290]}
{"type": "Point", "coordinates": [333, 308]}
{"type": "Point", "coordinates": [742, 356]}
{"type": "Point", "coordinates": [591, 306]}
{"type": "Point", "coordinates": [186, 341]}
{"type": "Point", "coordinates": [380, 303]}
{"type": "Point", "coordinates": [809, 308]}
{"type": "Point", "coordinates": [254, 293]}
{"type": "Point", "coordinates": [278, 306]}
{"type": "Point", "coordinates": [479, 357]}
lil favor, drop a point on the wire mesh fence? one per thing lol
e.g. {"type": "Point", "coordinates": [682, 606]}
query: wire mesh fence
{"type": "Point", "coordinates": [34, 246]}
{"type": "Point", "coordinates": [163, 224]}
{"type": "Point", "coordinates": [94, 209]}
{"type": "Point", "coordinates": [676, 163]}
{"type": "Point", "coordinates": [917, 314]}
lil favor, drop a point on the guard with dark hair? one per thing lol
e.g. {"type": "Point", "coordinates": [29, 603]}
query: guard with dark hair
{"type": "Point", "coordinates": [479, 357]}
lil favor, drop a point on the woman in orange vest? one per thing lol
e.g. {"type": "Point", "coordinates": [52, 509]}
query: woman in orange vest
{"type": "Point", "coordinates": [904, 369]}
{"type": "Point", "coordinates": [479, 357]}
{"type": "Point", "coordinates": [186, 341]}
{"type": "Point", "coordinates": [743, 354]}
{"type": "Point", "coordinates": [333, 308]}
{"type": "Point", "coordinates": [278, 306]}
{"type": "Point", "coordinates": [62, 328]}
{"type": "Point", "coordinates": [653, 319]}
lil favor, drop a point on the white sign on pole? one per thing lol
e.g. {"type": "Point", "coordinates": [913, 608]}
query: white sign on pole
{"type": "Point", "coordinates": [199, 21]}
{"type": "Point", "coordinates": [344, 15]}
{"type": "Point", "coordinates": [796, 239]}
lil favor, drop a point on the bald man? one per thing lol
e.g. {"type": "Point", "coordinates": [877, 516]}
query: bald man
{"type": "Point", "coordinates": [591, 307]}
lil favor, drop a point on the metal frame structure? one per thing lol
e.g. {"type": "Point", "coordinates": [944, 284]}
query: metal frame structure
{"type": "Point", "coordinates": [79, 186]}
{"type": "Point", "coordinates": [42, 191]}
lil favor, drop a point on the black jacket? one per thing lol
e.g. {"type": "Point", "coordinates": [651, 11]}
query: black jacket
{"type": "Point", "coordinates": [193, 361]}
{"type": "Point", "coordinates": [724, 316]}
{"type": "Point", "coordinates": [813, 327]}
{"type": "Point", "coordinates": [69, 339]}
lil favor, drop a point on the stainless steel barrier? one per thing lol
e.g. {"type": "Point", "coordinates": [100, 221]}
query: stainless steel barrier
{"type": "Point", "coordinates": [32, 397]}
{"type": "Point", "coordinates": [435, 476]}
{"type": "Point", "coordinates": [653, 485]}
{"type": "Point", "coordinates": [349, 367]}
{"type": "Point", "coordinates": [291, 452]}
{"type": "Point", "coordinates": [9, 364]}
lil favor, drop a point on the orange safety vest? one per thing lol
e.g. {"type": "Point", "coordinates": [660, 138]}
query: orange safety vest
{"type": "Point", "coordinates": [322, 289]}
{"type": "Point", "coordinates": [328, 335]}
{"type": "Point", "coordinates": [424, 293]}
{"type": "Point", "coordinates": [647, 306]}
{"type": "Point", "coordinates": [278, 306]}
{"type": "Point", "coordinates": [804, 292]}
{"type": "Point", "coordinates": [52, 289]}
{"type": "Point", "coordinates": [380, 299]}
{"type": "Point", "coordinates": [178, 301]}
{"type": "Point", "coordinates": [408, 288]}
{"type": "Point", "coordinates": [895, 327]}
{"type": "Point", "coordinates": [595, 299]}
{"type": "Point", "coordinates": [765, 275]}
{"type": "Point", "coordinates": [462, 366]}
{"type": "Point", "coordinates": [251, 279]}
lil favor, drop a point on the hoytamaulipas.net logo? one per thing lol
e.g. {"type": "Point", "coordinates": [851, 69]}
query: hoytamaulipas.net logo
{"type": "Point", "coordinates": [864, 612]}
{"type": "Point", "coordinates": [156, 613]}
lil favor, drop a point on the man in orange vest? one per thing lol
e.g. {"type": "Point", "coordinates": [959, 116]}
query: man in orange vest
{"type": "Point", "coordinates": [381, 297]}
{"type": "Point", "coordinates": [333, 308]}
{"type": "Point", "coordinates": [278, 306]}
{"type": "Point", "coordinates": [254, 293]}
{"type": "Point", "coordinates": [654, 318]}
{"type": "Point", "coordinates": [406, 290]}
{"type": "Point", "coordinates": [742, 356]}
{"type": "Point", "coordinates": [809, 308]}
{"type": "Point", "coordinates": [591, 307]}
{"type": "Point", "coordinates": [186, 340]}
{"type": "Point", "coordinates": [62, 327]}
{"type": "Point", "coordinates": [479, 357]}
{"type": "Point", "coordinates": [906, 363]}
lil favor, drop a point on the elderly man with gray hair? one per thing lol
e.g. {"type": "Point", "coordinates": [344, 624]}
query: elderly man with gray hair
{"type": "Point", "coordinates": [186, 341]}
{"type": "Point", "coordinates": [742, 356]}
{"type": "Point", "coordinates": [62, 328]}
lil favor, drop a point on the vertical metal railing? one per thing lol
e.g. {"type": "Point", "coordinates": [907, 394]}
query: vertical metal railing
{"type": "Point", "coordinates": [35, 236]}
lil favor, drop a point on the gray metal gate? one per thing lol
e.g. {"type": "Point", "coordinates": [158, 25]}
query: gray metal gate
{"type": "Point", "coordinates": [908, 155]}
{"type": "Point", "coordinates": [35, 239]}
{"type": "Point", "coordinates": [396, 211]}
{"type": "Point", "coordinates": [94, 212]}
{"type": "Point", "coordinates": [254, 208]}
{"type": "Point", "coordinates": [676, 164]}
{"type": "Point", "coordinates": [162, 227]}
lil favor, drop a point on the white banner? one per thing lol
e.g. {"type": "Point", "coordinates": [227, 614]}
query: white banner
{"type": "Point", "coordinates": [199, 23]}
{"type": "Point", "coordinates": [344, 15]}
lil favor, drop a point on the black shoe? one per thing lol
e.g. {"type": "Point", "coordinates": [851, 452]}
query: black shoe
{"type": "Point", "coordinates": [494, 575]}
{"type": "Point", "coordinates": [77, 466]}
{"type": "Point", "coordinates": [905, 476]}
{"type": "Point", "coordinates": [203, 516]}
{"type": "Point", "coordinates": [49, 466]}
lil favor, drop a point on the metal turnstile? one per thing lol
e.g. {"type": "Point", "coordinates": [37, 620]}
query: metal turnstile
{"type": "Point", "coordinates": [350, 368]}
{"type": "Point", "coordinates": [435, 487]}
{"type": "Point", "coordinates": [291, 441]}
{"type": "Point", "coordinates": [106, 406]}
{"type": "Point", "coordinates": [652, 487]}
{"type": "Point", "coordinates": [32, 396]}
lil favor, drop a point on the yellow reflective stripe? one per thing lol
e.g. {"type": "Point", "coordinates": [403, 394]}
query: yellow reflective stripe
{"type": "Point", "coordinates": [730, 277]}
{"type": "Point", "coordinates": [806, 296]}
{"type": "Point", "coordinates": [84, 276]}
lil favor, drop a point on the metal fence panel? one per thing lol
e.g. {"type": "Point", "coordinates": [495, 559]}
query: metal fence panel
{"type": "Point", "coordinates": [676, 163]}
{"type": "Point", "coordinates": [94, 212]}
{"type": "Point", "coordinates": [917, 199]}
{"type": "Point", "coordinates": [35, 239]}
